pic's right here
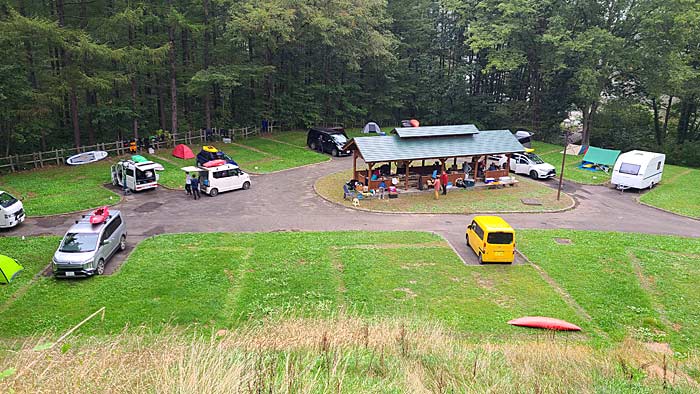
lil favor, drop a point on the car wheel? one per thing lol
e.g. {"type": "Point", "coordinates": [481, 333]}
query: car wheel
{"type": "Point", "coordinates": [100, 267]}
{"type": "Point", "coordinates": [312, 146]}
{"type": "Point", "coordinates": [481, 259]}
{"type": "Point", "coordinates": [246, 186]}
{"type": "Point", "coordinates": [533, 175]}
{"type": "Point", "coordinates": [334, 152]}
{"type": "Point", "coordinates": [122, 243]}
{"type": "Point", "coordinates": [214, 192]}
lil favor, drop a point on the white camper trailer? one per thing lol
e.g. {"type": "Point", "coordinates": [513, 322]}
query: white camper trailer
{"type": "Point", "coordinates": [638, 169]}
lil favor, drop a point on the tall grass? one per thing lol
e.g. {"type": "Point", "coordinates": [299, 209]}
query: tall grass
{"type": "Point", "coordinates": [344, 354]}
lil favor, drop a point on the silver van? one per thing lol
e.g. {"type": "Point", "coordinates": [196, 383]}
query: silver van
{"type": "Point", "coordinates": [86, 247]}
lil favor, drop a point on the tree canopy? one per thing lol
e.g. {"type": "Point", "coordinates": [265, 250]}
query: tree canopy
{"type": "Point", "coordinates": [84, 71]}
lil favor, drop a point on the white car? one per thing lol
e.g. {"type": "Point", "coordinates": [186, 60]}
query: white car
{"type": "Point", "coordinates": [136, 176]}
{"type": "Point", "coordinates": [11, 210]}
{"type": "Point", "coordinates": [527, 164]}
{"type": "Point", "coordinates": [220, 179]}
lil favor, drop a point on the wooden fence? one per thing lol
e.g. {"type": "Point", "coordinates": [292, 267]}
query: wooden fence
{"type": "Point", "coordinates": [118, 148]}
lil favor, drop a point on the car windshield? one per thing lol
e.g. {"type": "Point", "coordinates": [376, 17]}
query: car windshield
{"type": "Point", "coordinates": [500, 238]}
{"type": "Point", "coordinates": [535, 158]}
{"type": "Point", "coordinates": [79, 242]}
{"type": "Point", "coordinates": [6, 200]}
{"type": "Point", "coordinates": [339, 139]}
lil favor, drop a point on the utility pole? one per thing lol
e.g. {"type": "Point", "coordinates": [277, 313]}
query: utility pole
{"type": "Point", "coordinates": [567, 123]}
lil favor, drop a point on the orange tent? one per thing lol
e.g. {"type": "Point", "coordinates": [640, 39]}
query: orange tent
{"type": "Point", "coordinates": [183, 151]}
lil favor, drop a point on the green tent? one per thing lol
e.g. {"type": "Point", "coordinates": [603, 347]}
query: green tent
{"type": "Point", "coordinates": [606, 157]}
{"type": "Point", "coordinates": [8, 269]}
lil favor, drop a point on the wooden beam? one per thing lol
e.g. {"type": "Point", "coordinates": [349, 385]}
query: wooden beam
{"type": "Point", "coordinates": [475, 162]}
{"type": "Point", "coordinates": [407, 164]}
{"type": "Point", "coordinates": [354, 164]}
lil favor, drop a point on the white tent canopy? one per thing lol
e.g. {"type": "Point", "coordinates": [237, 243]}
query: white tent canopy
{"type": "Point", "coordinates": [371, 127]}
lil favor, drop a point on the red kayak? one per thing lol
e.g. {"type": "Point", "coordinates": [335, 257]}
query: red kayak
{"type": "Point", "coordinates": [100, 215]}
{"type": "Point", "coordinates": [544, 322]}
{"type": "Point", "coordinates": [214, 163]}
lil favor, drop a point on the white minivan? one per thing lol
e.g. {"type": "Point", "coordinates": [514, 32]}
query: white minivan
{"type": "Point", "coordinates": [214, 180]}
{"type": "Point", "coordinates": [11, 210]}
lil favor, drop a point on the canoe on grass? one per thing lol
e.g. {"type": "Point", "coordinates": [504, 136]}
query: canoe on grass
{"type": "Point", "coordinates": [548, 323]}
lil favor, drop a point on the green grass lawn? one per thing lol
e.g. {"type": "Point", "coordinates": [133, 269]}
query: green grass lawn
{"type": "Point", "coordinates": [507, 199]}
{"type": "Point", "coordinates": [678, 191]}
{"type": "Point", "coordinates": [223, 280]}
{"type": "Point", "coordinates": [61, 189]}
{"type": "Point", "coordinates": [637, 285]}
{"type": "Point", "coordinates": [551, 154]}
{"type": "Point", "coordinates": [31, 253]}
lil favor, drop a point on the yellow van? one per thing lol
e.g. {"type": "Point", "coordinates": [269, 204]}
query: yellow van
{"type": "Point", "coordinates": [492, 239]}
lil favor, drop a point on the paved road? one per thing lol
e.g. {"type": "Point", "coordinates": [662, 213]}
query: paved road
{"type": "Point", "coordinates": [286, 201]}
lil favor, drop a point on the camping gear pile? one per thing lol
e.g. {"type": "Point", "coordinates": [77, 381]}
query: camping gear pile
{"type": "Point", "coordinates": [210, 153]}
{"type": "Point", "coordinates": [599, 159]}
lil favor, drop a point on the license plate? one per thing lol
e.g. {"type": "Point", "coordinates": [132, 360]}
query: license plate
{"type": "Point", "coordinates": [499, 254]}
{"type": "Point", "coordinates": [70, 273]}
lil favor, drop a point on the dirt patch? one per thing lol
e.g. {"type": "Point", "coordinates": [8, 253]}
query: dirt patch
{"type": "Point", "coordinates": [417, 265]}
{"type": "Point", "coordinates": [148, 207]}
{"type": "Point", "coordinates": [484, 283]}
{"type": "Point", "coordinates": [408, 293]}
{"type": "Point", "coordinates": [563, 241]}
{"type": "Point", "coordinates": [531, 201]}
{"type": "Point", "coordinates": [659, 347]}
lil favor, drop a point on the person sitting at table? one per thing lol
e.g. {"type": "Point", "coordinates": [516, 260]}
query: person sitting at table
{"type": "Point", "coordinates": [493, 167]}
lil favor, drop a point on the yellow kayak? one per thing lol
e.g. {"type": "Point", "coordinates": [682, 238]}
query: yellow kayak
{"type": "Point", "coordinates": [209, 148]}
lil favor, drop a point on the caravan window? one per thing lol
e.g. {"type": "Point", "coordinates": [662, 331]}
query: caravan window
{"type": "Point", "coordinates": [658, 165]}
{"type": "Point", "coordinates": [630, 169]}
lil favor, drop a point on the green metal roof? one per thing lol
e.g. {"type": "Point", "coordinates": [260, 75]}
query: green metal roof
{"type": "Point", "coordinates": [436, 131]}
{"type": "Point", "coordinates": [395, 148]}
{"type": "Point", "coordinates": [601, 156]}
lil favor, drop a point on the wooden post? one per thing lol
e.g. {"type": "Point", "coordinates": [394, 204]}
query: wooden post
{"type": "Point", "coordinates": [422, 163]}
{"type": "Point", "coordinates": [407, 164]}
{"type": "Point", "coordinates": [475, 161]}
{"type": "Point", "coordinates": [508, 161]}
{"type": "Point", "coordinates": [455, 162]}
{"type": "Point", "coordinates": [369, 174]}
{"type": "Point", "coordinates": [354, 164]}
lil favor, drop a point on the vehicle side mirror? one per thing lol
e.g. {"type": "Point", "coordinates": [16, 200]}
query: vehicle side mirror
{"type": "Point", "coordinates": [106, 242]}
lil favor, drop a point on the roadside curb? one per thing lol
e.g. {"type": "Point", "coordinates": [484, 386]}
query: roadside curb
{"type": "Point", "coordinates": [567, 208]}
{"type": "Point", "coordinates": [637, 199]}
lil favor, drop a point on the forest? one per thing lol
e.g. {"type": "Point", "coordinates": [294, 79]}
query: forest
{"type": "Point", "coordinates": [76, 72]}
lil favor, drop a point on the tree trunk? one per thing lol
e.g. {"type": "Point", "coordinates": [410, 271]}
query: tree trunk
{"type": "Point", "coordinates": [657, 122]}
{"type": "Point", "coordinates": [173, 81]}
{"type": "Point", "coordinates": [588, 114]}
{"type": "Point", "coordinates": [161, 104]}
{"type": "Point", "coordinates": [74, 117]}
{"type": "Point", "coordinates": [667, 115]}
{"type": "Point", "coordinates": [134, 108]}
{"type": "Point", "coordinates": [89, 101]}
{"type": "Point", "coordinates": [207, 98]}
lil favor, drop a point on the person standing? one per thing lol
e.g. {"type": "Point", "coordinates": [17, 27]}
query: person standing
{"type": "Point", "coordinates": [195, 187]}
{"type": "Point", "coordinates": [188, 183]}
{"type": "Point", "coordinates": [443, 181]}
{"type": "Point", "coordinates": [437, 188]}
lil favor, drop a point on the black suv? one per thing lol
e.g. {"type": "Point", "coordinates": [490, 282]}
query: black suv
{"type": "Point", "coordinates": [328, 140]}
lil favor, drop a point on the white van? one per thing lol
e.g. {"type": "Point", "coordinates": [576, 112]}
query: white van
{"type": "Point", "coordinates": [215, 180]}
{"type": "Point", "coordinates": [136, 176]}
{"type": "Point", "coordinates": [11, 210]}
{"type": "Point", "coordinates": [638, 169]}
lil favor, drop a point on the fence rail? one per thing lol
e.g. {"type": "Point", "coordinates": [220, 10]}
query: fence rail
{"type": "Point", "coordinates": [58, 156]}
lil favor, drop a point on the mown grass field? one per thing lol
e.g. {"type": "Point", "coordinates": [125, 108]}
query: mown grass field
{"type": "Point", "coordinates": [636, 285]}
{"type": "Point", "coordinates": [508, 199]}
{"type": "Point", "coordinates": [679, 191]}
{"type": "Point", "coordinates": [62, 189]}
{"type": "Point", "coordinates": [551, 154]}
{"type": "Point", "coordinates": [222, 280]}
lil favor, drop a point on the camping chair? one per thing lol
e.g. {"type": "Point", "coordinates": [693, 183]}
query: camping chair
{"type": "Point", "coordinates": [347, 194]}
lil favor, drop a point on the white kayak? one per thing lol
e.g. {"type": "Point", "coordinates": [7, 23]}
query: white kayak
{"type": "Point", "coordinates": [86, 157]}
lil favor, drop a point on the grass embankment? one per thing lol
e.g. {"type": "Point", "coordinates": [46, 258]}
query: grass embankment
{"type": "Point", "coordinates": [508, 199]}
{"type": "Point", "coordinates": [552, 154]}
{"type": "Point", "coordinates": [341, 355]}
{"type": "Point", "coordinates": [222, 280]}
{"type": "Point", "coordinates": [62, 189]}
{"type": "Point", "coordinates": [678, 191]}
{"type": "Point", "coordinates": [637, 285]}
